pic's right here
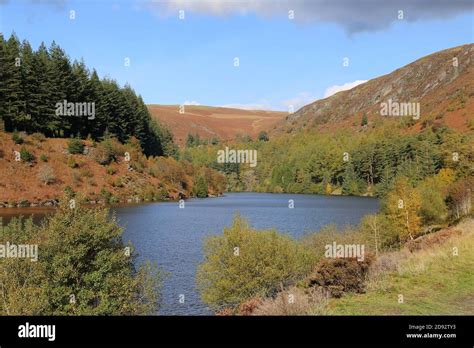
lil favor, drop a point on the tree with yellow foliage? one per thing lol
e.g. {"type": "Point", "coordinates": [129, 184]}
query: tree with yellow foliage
{"type": "Point", "coordinates": [402, 207]}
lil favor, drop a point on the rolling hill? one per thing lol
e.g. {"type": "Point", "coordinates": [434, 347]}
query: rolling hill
{"type": "Point", "coordinates": [214, 122]}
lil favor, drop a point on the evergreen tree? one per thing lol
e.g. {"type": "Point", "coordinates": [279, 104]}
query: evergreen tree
{"type": "Point", "coordinates": [11, 84]}
{"type": "Point", "coordinates": [351, 183]}
{"type": "Point", "coordinates": [33, 83]}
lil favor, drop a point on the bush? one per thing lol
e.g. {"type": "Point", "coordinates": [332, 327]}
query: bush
{"type": "Point", "coordinates": [265, 261]}
{"type": "Point", "coordinates": [46, 174]}
{"type": "Point", "coordinates": [44, 158]}
{"type": "Point", "coordinates": [38, 137]}
{"type": "Point", "coordinates": [26, 156]}
{"type": "Point", "coordinates": [101, 156]}
{"type": "Point", "coordinates": [111, 170]}
{"type": "Point", "coordinates": [17, 139]}
{"type": "Point", "coordinates": [69, 192]}
{"type": "Point", "coordinates": [378, 233]}
{"type": "Point", "coordinates": [81, 254]}
{"type": "Point", "coordinates": [248, 307]}
{"type": "Point", "coordinates": [107, 151]}
{"type": "Point", "coordinates": [108, 196]}
{"type": "Point", "coordinates": [263, 136]}
{"type": "Point", "coordinates": [118, 183]}
{"type": "Point", "coordinates": [460, 197]}
{"type": "Point", "coordinates": [201, 188]}
{"type": "Point", "coordinates": [71, 162]}
{"type": "Point", "coordinates": [340, 275]}
{"type": "Point", "coordinates": [75, 146]}
{"type": "Point", "coordinates": [86, 172]}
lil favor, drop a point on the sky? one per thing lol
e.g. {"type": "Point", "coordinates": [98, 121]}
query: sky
{"type": "Point", "coordinates": [289, 53]}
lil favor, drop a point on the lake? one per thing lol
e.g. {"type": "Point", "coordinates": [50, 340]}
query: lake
{"type": "Point", "coordinates": [173, 236]}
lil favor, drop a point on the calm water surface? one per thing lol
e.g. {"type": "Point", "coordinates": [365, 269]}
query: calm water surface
{"type": "Point", "coordinates": [172, 237]}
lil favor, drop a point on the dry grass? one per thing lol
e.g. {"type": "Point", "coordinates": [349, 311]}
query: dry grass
{"type": "Point", "coordinates": [294, 301]}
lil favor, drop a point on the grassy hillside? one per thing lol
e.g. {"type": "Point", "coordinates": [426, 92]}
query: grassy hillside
{"type": "Point", "coordinates": [214, 122]}
{"type": "Point", "coordinates": [100, 172]}
{"type": "Point", "coordinates": [432, 281]}
{"type": "Point", "coordinates": [443, 84]}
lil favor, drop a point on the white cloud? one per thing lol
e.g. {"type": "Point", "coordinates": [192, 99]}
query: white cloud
{"type": "Point", "coordinates": [302, 99]}
{"type": "Point", "coordinates": [353, 16]}
{"type": "Point", "coordinates": [249, 106]}
{"type": "Point", "coordinates": [338, 88]}
{"type": "Point", "coordinates": [187, 102]}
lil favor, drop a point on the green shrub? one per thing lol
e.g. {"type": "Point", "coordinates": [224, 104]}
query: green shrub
{"type": "Point", "coordinates": [201, 188]}
{"type": "Point", "coordinates": [161, 194]}
{"type": "Point", "coordinates": [263, 136]}
{"type": "Point", "coordinates": [17, 138]}
{"type": "Point", "coordinates": [69, 192]}
{"type": "Point", "coordinates": [71, 162]}
{"type": "Point", "coordinates": [111, 170]}
{"type": "Point", "coordinates": [108, 196]}
{"type": "Point", "coordinates": [26, 156]}
{"type": "Point", "coordinates": [44, 158]}
{"type": "Point", "coordinates": [81, 253]}
{"type": "Point", "coordinates": [243, 263]}
{"type": "Point", "coordinates": [75, 146]}
{"type": "Point", "coordinates": [118, 183]}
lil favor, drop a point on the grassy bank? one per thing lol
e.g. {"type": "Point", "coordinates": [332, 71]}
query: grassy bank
{"type": "Point", "coordinates": [432, 281]}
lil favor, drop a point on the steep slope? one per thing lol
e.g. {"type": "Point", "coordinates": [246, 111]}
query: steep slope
{"type": "Point", "coordinates": [42, 180]}
{"type": "Point", "coordinates": [443, 84]}
{"type": "Point", "coordinates": [214, 122]}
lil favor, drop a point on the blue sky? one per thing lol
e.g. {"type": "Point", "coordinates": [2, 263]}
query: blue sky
{"type": "Point", "coordinates": [282, 61]}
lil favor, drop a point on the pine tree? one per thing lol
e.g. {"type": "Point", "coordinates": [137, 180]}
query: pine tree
{"type": "Point", "coordinates": [351, 183]}
{"type": "Point", "coordinates": [11, 84]}
{"type": "Point", "coordinates": [33, 82]}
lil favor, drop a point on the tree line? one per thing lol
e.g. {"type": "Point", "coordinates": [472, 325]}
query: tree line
{"type": "Point", "coordinates": [345, 162]}
{"type": "Point", "coordinates": [32, 83]}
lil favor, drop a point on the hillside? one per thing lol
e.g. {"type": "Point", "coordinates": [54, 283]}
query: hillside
{"type": "Point", "coordinates": [445, 93]}
{"type": "Point", "coordinates": [434, 267]}
{"type": "Point", "coordinates": [52, 171]}
{"type": "Point", "coordinates": [214, 122]}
